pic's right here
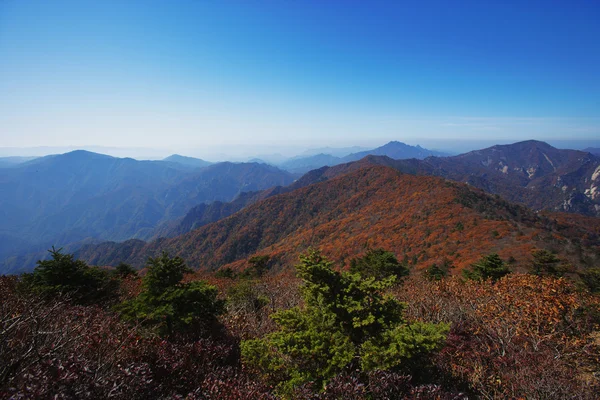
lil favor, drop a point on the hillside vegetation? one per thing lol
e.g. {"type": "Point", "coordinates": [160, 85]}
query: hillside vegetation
{"type": "Point", "coordinates": [421, 219]}
{"type": "Point", "coordinates": [73, 331]}
{"type": "Point", "coordinates": [81, 196]}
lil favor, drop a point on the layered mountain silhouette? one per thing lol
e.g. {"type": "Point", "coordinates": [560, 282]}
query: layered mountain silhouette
{"type": "Point", "coordinates": [63, 199]}
{"type": "Point", "coordinates": [532, 173]}
{"type": "Point", "coordinates": [83, 198]}
{"type": "Point", "coordinates": [394, 149]}
{"type": "Point", "coordinates": [187, 161]}
{"type": "Point", "coordinates": [7, 162]}
{"type": "Point", "coordinates": [503, 170]}
{"type": "Point", "coordinates": [422, 219]}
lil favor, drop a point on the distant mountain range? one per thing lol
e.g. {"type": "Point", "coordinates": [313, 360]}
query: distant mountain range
{"type": "Point", "coordinates": [395, 150]}
{"type": "Point", "coordinates": [81, 196]}
{"type": "Point", "coordinates": [531, 173]}
{"type": "Point", "coordinates": [81, 199]}
{"type": "Point", "coordinates": [7, 162]}
{"type": "Point", "coordinates": [187, 161]}
{"type": "Point", "coordinates": [334, 151]}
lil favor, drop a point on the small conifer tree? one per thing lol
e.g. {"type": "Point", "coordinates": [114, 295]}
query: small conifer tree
{"type": "Point", "coordinates": [546, 263]}
{"type": "Point", "coordinates": [172, 306]}
{"type": "Point", "coordinates": [488, 267]}
{"type": "Point", "coordinates": [379, 264]}
{"type": "Point", "coordinates": [347, 321]}
{"type": "Point", "coordinates": [63, 274]}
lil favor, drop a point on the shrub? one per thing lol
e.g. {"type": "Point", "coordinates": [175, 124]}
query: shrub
{"type": "Point", "coordinates": [64, 275]}
{"type": "Point", "coordinates": [171, 306]}
{"type": "Point", "coordinates": [436, 273]}
{"type": "Point", "coordinates": [346, 322]}
{"type": "Point", "coordinates": [379, 264]}
{"type": "Point", "coordinates": [488, 267]}
{"type": "Point", "coordinates": [124, 270]}
{"type": "Point", "coordinates": [546, 263]}
{"type": "Point", "coordinates": [591, 277]}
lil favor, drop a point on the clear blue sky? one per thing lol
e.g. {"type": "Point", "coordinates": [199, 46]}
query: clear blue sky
{"type": "Point", "coordinates": [210, 74]}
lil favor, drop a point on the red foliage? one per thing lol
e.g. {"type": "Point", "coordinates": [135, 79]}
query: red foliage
{"type": "Point", "coordinates": [422, 219]}
{"type": "Point", "coordinates": [524, 336]}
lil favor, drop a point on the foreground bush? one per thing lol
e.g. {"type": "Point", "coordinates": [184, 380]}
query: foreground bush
{"type": "Point", "coordinates": [55, 349]}
{"type": "Point", "coordinates": [172, 307]}
{"type": "Point", "coordinates": [63, 275]}
{"type": "Point", "coordinates": [347, 323]}
{"type": "Point", "coordinates": [521, 337]}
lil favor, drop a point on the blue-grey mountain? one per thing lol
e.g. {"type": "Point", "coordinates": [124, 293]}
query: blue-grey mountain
{"type": "Point", "coordinates": [63, 199]}
{"type": "Point", "coordinates": [395, 150]}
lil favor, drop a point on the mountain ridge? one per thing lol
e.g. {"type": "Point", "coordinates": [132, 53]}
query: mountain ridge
{"type": "Point", "coordinates": [472, 172]}
{"type": "Point", "coordinates": [414, 216]}
{"type": "Point", "coordinates": [392, 149]}
{"type": "Point", "coordinates": [187, 161]}
{"type": "Point", "coordinates": [62, 199]}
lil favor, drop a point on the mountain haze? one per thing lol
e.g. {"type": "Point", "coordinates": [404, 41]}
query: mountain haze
{"type": "Point", "coordinates": [67, 198]}
{"type": "Point", "coordinates": [187, 161]}
{"type": "Point", "coordinates": [394, 149]}
{"type": "Point", "coordinates": [473, 168]}
{"type": "Point", "coordinates": [7, 162]}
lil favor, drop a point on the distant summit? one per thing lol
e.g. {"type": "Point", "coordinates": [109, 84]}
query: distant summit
{"type": "Point", "coordinates": [187, 161]}
{"type": "Point", "coordinates": [395, 150]}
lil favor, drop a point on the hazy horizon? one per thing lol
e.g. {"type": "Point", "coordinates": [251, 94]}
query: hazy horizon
{"type": "Point", "coordinates": [194, 75]}
{"type": "Point", "coordinates": [271, 154]}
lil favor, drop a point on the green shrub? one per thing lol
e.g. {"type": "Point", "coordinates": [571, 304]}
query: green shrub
{"type": "Point", "coordinates": [346, 322]}
{"type": "Point", "coordinates": [171, 306]}
{"type": "Point", "coordinates": [379, 264]}
{"type": "Point", "coordinates": [124, 270]}
{"type": "Point", "coordinates": [62, 274]}
{"type": "Point", "coordinates": [438, 272]}
{"type": "Point", "coordinates": [546, 263]}
{"type": "Point", "coordinates": [591, 277]}
{"type": "Point", "coordinates": [488, 267]}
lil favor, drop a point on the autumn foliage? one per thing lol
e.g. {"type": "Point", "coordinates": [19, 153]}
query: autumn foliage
{"type": "Point", "coordinates": [422, 220]}
{"type": "Point", "coordinates": [526, 325]}
{"type": "Point", "coordinates": [521, 337]}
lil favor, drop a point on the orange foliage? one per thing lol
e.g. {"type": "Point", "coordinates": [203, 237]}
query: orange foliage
{"type": "Point", "coordinates": [420, 219]}
{"type": "Point", "coordinates": [524, 336]}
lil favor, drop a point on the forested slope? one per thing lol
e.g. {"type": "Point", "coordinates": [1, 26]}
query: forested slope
{"type": "Point", "coordinates": [421, 219]}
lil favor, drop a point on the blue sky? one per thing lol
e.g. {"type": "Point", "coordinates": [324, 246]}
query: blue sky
{"type": "Point", "coordinates": [200, 76]}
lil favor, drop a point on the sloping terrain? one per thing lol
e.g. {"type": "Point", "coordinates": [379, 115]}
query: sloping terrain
{"type": "Point", "coordinates": [8, 162]}
{"type": "Point", "coordinates": [531, 172]}
{"type": "Point", "coordinates": [63, 199]}
{"type": "Point", "coordinates": [421, 219]}
{"type": "Point", "coordinates": [593, 150]}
